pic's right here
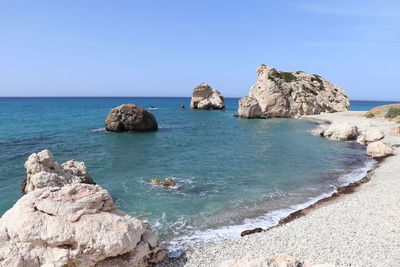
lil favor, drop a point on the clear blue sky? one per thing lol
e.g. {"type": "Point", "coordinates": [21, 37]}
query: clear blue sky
{"type": "Point", "coordinates": [165, 48]}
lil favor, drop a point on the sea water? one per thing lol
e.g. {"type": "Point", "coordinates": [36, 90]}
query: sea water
{"type": "Point", "coordinates": [232, 174]}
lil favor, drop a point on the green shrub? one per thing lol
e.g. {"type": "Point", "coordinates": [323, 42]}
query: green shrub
{"type": "Point", "coordinates": [309, 90]}
{"type": "Point", "coordinates": [392, 113]}
{"type": "Point", "coordinates": [332, 110]}
{"type": "Point", "coordinates": [288, 77]}
{"type": "Point", "coordinates": [370, 115]}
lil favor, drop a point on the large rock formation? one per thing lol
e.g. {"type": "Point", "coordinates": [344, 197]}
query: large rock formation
{"type": "Point", "coordinates": [291, 95]}
{"type": "Point", "coordinates": [204, 97]}
{"type": "Point", "coordinates": [130, 118]}
{"type": "Point", "coordinates": [42, 171]}
{"type": "Point", "coordinates": [74, 225]}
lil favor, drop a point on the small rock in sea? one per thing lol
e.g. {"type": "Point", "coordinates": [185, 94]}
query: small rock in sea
{"type": "Point", "coordinates": [183, 107]}
{"type": "Point", "coordinates": [130, 118]}
{"type": "Point", "coordinates": [167, 182]}
{"type": "Point", "coordinates": [204, 97]}
{"type": "Point", "coordinates": [249, 232]}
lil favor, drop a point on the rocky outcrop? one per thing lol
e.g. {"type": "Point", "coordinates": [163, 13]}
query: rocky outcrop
{"type": "Point", "coordinates": [379, 150]}
{"type": "Point", "coordinates": [42, 171]}
{"type": "Point", "coordinates": [130, 118]}
{"type": "Point", "coordinates": [74, 225]}
{"type": "Point", "coordinates": [204, 97]}
{"type": "Point", "coordinates": [337, 131]}
{"type": "Point", "coordinates": [291, 95]}
{"type": "Point", "coordinates": [389, 112]}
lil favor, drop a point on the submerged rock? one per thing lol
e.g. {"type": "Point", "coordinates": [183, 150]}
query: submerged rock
{"type": "Point", "coordinates": [379, 150]}
{"type": "Point", "coordinates": [204, 97]}
{"type": "Point", "coordinates": [130, 118]}
{"type": "Point", "coordinates": [167, 182]}
{"type": "Point", "coordinates": [291, 94]}
{"type": "Point", "coordinates": [337, 131]}
{"type": "Point", "coordinates": [74, 225]}
{"type": "Point", "coordinates": [42, 171]}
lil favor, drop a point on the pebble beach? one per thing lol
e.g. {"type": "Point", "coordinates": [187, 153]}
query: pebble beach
{"type": "Point", "coordinates": [357, 229]}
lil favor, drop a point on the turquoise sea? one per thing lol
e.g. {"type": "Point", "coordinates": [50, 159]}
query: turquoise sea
{"type": "Point", "coordinates": [233, 174]}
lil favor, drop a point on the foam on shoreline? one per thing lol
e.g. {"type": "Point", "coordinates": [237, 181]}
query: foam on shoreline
{"type": "Point", "coordinates": [272, 218]}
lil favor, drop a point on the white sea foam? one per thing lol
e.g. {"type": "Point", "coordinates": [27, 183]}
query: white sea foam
{"type": "Point", "coordinates": [270, 219]}
{"type": "Point", "coordinates": [98, 130]}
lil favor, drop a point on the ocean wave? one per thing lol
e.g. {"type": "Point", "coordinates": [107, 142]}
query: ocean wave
{"type": "Point", "coordinates": [179, 243]}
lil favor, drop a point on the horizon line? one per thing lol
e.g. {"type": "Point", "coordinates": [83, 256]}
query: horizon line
{"type": "Point", "coordinates": [376, 100]}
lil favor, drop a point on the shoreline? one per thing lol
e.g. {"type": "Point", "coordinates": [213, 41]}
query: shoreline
{"type": "Point", "coordinates": [197, 255]}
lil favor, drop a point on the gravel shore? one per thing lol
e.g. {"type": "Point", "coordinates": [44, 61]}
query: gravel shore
{"type": "Point", "coordinates": [358, 229]}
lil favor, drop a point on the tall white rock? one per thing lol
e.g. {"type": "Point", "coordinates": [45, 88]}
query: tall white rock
{"type": "Point", "coordinates": [292, 94]}
{"type": "Point", "coordinates": [204, 97]}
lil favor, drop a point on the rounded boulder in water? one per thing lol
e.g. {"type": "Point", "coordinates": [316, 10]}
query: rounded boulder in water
{"type": "Point", "coordinates": [130, 118]}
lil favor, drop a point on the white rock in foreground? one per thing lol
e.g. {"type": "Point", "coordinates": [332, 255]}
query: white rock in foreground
{"type": "Point", "coordinates": [42, 172]}
{"type": "Point", "coordinates": [379, 150]}
{"type": "Point", "coordinates": [337, 131]}
{"type": "Point", "coordinates": [293, 94]}
{"type": "Point", "coordinates": [75, 225]}
{"type": "Point", "coordinates": [204, 97]}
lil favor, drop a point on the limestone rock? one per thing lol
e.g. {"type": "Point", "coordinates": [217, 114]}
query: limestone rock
{"type": "Point", "coordinates": [204, 97]}
{"type": "Point", "coordinates": [285, 260]}
{"type": "Point", "coordinates": [373, 135]}
{"type": "Point", "coordinates": [42, 171]}
{"type": "Point", "coordinates": [337, 131]}
{"type": "Point", "coordinates": [379, 150]}
{"type": "Point", "coordinates": [130, 118]}
{"type": "Point", "coordinates": [293, 94]}
{"type": "Point", "coordinates": [249, 108]}
{"type": "Point", "coordinates": [74, 225]}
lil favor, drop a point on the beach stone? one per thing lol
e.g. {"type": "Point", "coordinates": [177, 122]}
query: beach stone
{"type": "Point", "coordinates": [373, 135]}
{"type": "Point", "coordinates": [379, 150]}
{"type": "Point", "coordinates": [42, 171]}
{"type": "Point", "coordinates": [204, 97]}
{"type": "Point", "coordinates": [285, 260]}
{"type": "Point", "coordinates": [130, 118]}
{"type": "Point", "coordinates": [249, 108]}
{"type": "Point", "coordinates": [292, 94]}
{"type": "Point", "coordinates": [337, 131]}
{"type": "Point", "coordinates": [74, 225]}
